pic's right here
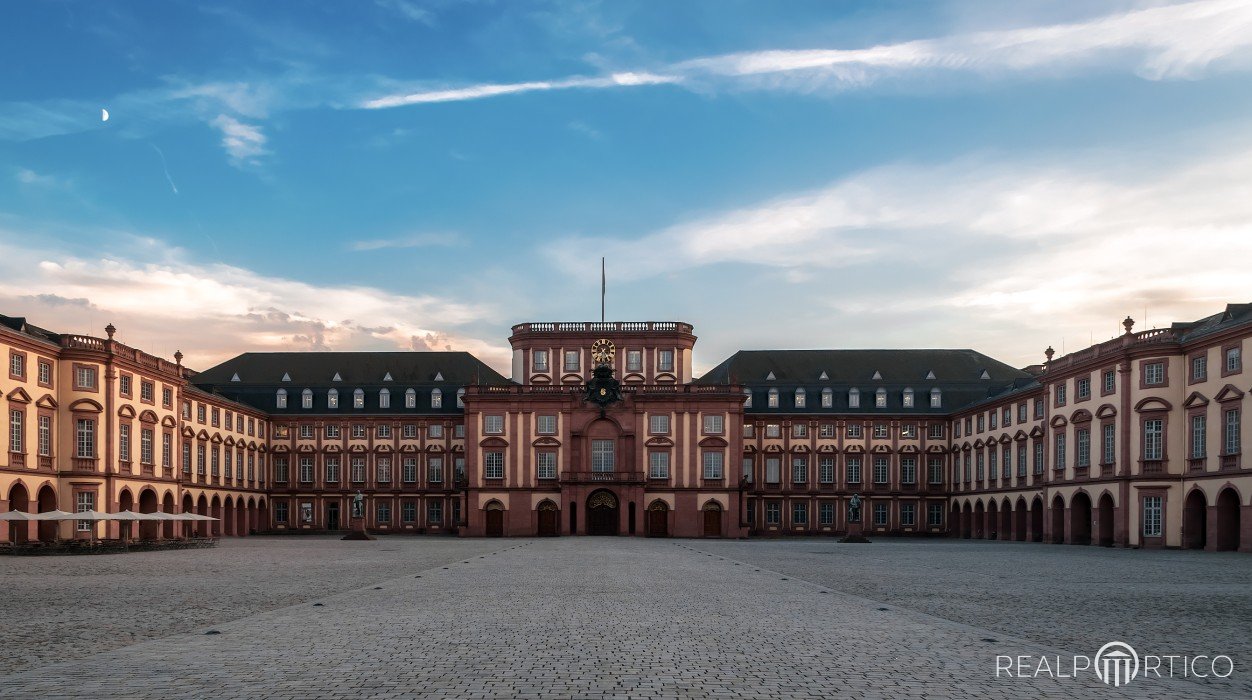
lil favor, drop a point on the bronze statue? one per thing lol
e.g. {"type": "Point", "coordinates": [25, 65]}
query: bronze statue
{"type": "Point", "coordinates": [854, 508]}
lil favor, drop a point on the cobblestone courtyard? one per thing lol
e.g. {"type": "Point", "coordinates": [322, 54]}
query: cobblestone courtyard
{"type": "Point", "coordinates": [595, 617]}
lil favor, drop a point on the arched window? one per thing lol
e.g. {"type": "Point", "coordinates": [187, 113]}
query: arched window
{"type": "Point", "coordinates": [880, 398]}
{"type": "Point", "coordinates": [747, 398]}
{"type": "Point", "coordinates": [281, 399]}
{"type": "Point", "coordinates": [828, 398]}
{"type": "Point", "coordinates": [332, 399]}
{"type": "Point", "coordinates": [306, 398]}
{"type": "Point", "coordinates": [801, 397]}
{"type": "Point", "coordinates": [358, 399]}
{"type": "Point", "coordinates": [854, 398]}
{"type": "Point", "coordinates": [908, 398]}
{"type": "Point", "coordinates": [773, 398]}
{"type": "Point", "coordinates": [436, 398]}
{"type": "Point", "coordinates": [410, 399]}
{"type": "Point", "coordinates": [384, 399]}
{"type": "Point", "coordinates": [936, 398]}
{"type": "Point", "coordinates": [460, 397]}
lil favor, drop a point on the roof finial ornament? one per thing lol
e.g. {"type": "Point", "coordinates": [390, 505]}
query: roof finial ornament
{"type": "Point", "coordinates": [110, 329]}
{"type": "Point", "coordinates": [178, 357]}
{"type": "Point", "coordinates": [1049, 353]}
{"type": "Point", "coordinates": [1128, 324]}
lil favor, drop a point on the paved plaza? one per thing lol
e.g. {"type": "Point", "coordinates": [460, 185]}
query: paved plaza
{"type": "Point", "coordinates": [608, 617]}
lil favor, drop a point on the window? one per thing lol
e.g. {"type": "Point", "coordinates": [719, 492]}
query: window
{"type": "Point", "coordinates": [658, 424]}
{"type": "Point", "coordinates": [45, 436]}
{"type": "Point", "coordinates": [1083, 388]}
{"type": "Point", "coordinates": [1083, 438]}
{"type": "Point", "coordinates": [85, 501]}
{"type": "Point", "coordinates": [435, 430]}
{"type": "Point", "coordinates": [146, 446]}
{"type": "Point", "coordinates": [773, 513]}
{"type": "Point", "coordinates": [880, 431]}
{"type": "Point", "coordinates": [854, 470]}
{"type": "Point", "coordinates": [332, 470]}
{"type": "Point", "coordinates": [436, 398]}
{"type": "Point", "coordinates": [383, 431]}
{"type": "Point", "coordinates": [358, 399]}
{"type": "Point", "coordinates": [1110, 381]}
{"type": "Point", "coordinates": [45, 372]}
{"type": "Point", "coordinates": [1109, 430]}
{"type": "Point", "coordinates": [458, 430]}
{"type": "Point", "coordinates": [546, 425]}
{"type": "Point", "coordinates": [384, 399]}
{"type": "Point", "coordinates": [799, 430]}
{"type": "Point", "coordinates": [713, 425]}
{"type": "Point", "coordinates": [773, 430]}
{"type": "Point", "coordinates": [992, 460]}
{"type": "Point", "coordinates": [434, 512]}
{"type": "Point", "coordinates": [880, 514]}
{"type": "Point", "coordinates": [828, 398]}
{"type": "Point", "coordinates": [826, 513]}
{"type": "Point", "coordinates": [15, 431]}
{"type": "Point", "coordinates": [280, 398]}
{"type": "Point", "coordinates": [280, 468]}
{"type": "Point", "coordinates": [773, 467]}
{"type": "Point", "coordinates": [747, 398]}
{"type": "Point", "coordinates": [1038, 456]}
{"type": "Point", "coordinates": [410, 398]}
{"type": "Point", "coordinates": [306, 398]}
{"type": "Point", "coordinates": [665, 361]}
{"type": "Point", "coordinates": [85, 438]}
{"type": "Point", "coordinates": [1021, 458]}
{"type": "Point", "coordinates": [356, 468]}
{"type": "Point", "coordinates": [1006, 414]}
{"type": "Point", "coordinates": [539, 361]}
{"type": "Point", "coordinates": [332, 431]}
{"type": "Point", "coordinates": [1021, 412]}
{"type": "Point", "coordinates": [434, 470]}
{"type": "Point", "coordinates": [880, 398]}
{"type": "Point", "coordinates": [936, 398]}
{"type": "Point", "coordinates": [992, 420]}
{"type": "Point", "coordinates": [493, 425]}
{"type": "Point", "coordinates": [658, 465]}
{"type": "Point", "coordinates": [460, 397]}
{"type": "Point", "coordinates": [227, 460]}
{"type": "Point", "coordinates": [908, 398]}
{"type": "Point", "coordinates": [1199, 368]}
{"type": "Point", "coordinates": [934, 515]}
{"type": "Point", "coordinates": [383, 512]}
{"type": "Point", "coordinates": [408, 512]}
{"type": "Point", "coordinates": [493, 465]}
{"type": "Point", "coordinates": [799, 470]}
{"type": "Point", "coordinates": [217, 417]}
{"type": "Point", "coordinates": [408, 470]}
{"type": "Point", "coordinates": [332, 398]}
{"type": "Point", "coordinates": [908, 431]}
{"type": "Point", "coordinates": [799, 513]}
{"type": "Point", "coordinates": [572, 360]}
{"type": "Point", "coordinates": [409, 431]}
{"type": "Point", "coordinates": [306, 469]}
{"type": "Point", "coordinates": [1230, 432]}
{"type": "Point", "coordinates": [826, 430]}
{"type": "Point", "coordinates": [1153, 431]}
{"type": "Point", "coordinates": [382, 470]}
{"type": "Point", "coordinates": [1234, 362]}
{"type": "Point", "coordinates": [908, 514]}
{"type": "Point", "coordinates": [773, 398]}
{"type": "Point", "coordinates": [306, 431]}
{"type": "Point", "coordinates": [1152, 508]}
{"type": "Point", "coordinates": [147, 391]}
{"type": "Point", "coordinates": [854, 398]}
{"type": "Point", "coordinates": [634, 361]}
{"type": "Point", "coordinates": [826, 470]}
{"type": "Point", "coordinates": [1059, 456]}
{"type": "Point", "coordinates": [982, 466]}
{"type": "Point", "coordinates": [200, 462]}
{"type": "Point", "coordinates": [123, 381]}
{"type": "Point", "coordinates": [280, 511]}
{"type": "Point", "coordinates": [967, 472]}
{"type": "Point", "coordinates": [934, 469]}
{"type": "Point", "coordinates": [1154, 373]}
{"type": "Point", "coordinates": [747, 469]}
{"type": "Point", "coordinates": [84, 377]}
{"type": "Point", "coordinates": [1038, 408]}
{"type": "Point", "coordinates": [167, 397]}
{"type": "Point", "coordinates": [908, 470]}
{"type": "Point", "coordinates": [934, 430]}
{"type": "Point", "coordinates": [801, 397]}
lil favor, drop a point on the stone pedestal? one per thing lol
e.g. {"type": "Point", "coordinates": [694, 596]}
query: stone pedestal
{"type": "Point", "coordinates": [855, 535]}
{"type": "Point", "coordinates": [357, 531]}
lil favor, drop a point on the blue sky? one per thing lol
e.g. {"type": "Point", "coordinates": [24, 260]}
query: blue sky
{"type": "Point", "coordinates": [405, 174]}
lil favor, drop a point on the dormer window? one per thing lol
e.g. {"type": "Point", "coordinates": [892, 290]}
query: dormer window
{"type": "Point", "coordinates": [306, 398]}
{"type": "Point", "coordinates": [384, 398]}
{"type": "Point", "coordinates": [770, 377]}
{"type": "Point", "coordinates": [823, 376]}
{"type": "Point", "coordinates": [773, 398]}
{"type": "Point", "coordinates": [908, 398]}
{"type": "Point", "coordinates": [336, 378]}
{"type": "Point", "coordinates": [828, 397]}
{"type": "Point", "coordinates": [286, 377]}
{"type": "Point", "coordinates": [930, 374]}
{"type": "Point", "coordinates": [747, 398]}
{"type": "Point", "coordinates": [854, 398]}
{"type": "Point", "coordinates": [460, 397]}
{"type": "Point", "coordinates": [332, 398]}
{"type": "Point", "coordinates": [280, 400]}
{"type": "Point", "coordinates": [877, 375]}
{"type": "Point", "coordinates": [410, 399]}
{"type": "Point", "coordinates": [800, 397]}
{"type": "Point", "coordinates": [358, 399]}
{"type": "Point", "coordinates": [985, 375]}
{"type": "Point", "coordinates": [436, 399]}
{"type": "Point", "coordinates": [880, 398]}
{"type": "Point", "coordinates": [387, 377]}
{"type": "Point", "coordinates": [936, 398]}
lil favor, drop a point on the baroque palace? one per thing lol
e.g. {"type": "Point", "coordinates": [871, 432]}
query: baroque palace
{"type": "Point", "coordinates": [602, 429]}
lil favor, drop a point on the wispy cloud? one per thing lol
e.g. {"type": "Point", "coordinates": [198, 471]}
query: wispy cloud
{"type": "Point", "coordinates": [26, 176]}
{"type": "Point", "coordinates": [418, 240]}
{"type": "Point", "coordinates": [1178, 41]}
{"type": "Point", "coordinates": [244, 143]}
{"type": "Point", "coordinates": [409, 10]}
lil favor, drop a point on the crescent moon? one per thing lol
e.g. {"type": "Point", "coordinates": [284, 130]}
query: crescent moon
{"type": "Point", "coordinates": [104, 115]}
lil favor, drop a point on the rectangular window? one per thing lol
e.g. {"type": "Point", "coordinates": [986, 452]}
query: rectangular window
{"type": "Point", "coordinates": [747, 469]}
{"type": "Point", "coordinates": [1038, 409]}
{"type": "Point", "coordinates": [1007, 468]}
{"type": "Point", "coordinates": [908, 470]}
{"type": "Point", "coordinates": [15, 432]}
{"type": "Point", "coordinates": [146, 446]}
{"type": "Point", "coordinates": [1060, 394]}
{"type": "Point", "coordinates": [1153, 432]}
{"type": "Point", "coordinates": [493, 465]}
{"type": "Point", "coordinates": [880, 430]}
{"type": "Point", "coordinates": [1038, 456]}
{"type": "Point", "coordinates": [1021, 458]}
{"type": "Point", "coordinates": [934, 515]}
{"type": "Point", "coordinates": [1152, 508]}
{"type": "Point", "coordinates": [854, 430]}
{"type": "Point", "coordinates": [408, 470]}
{"type": "Point", "coordinates": [991, 421]}
{"type": "Point", "coordinates": [800, 514]}
{"type": "Point", "coordinates": [1154, 373]}
{"type": "Point", "coordinates": [1110, 437]}
{"type": "Point", "coordinates": [45, 372]}
{"type": "Point", "coordinates": [659, 424]}
{"type": "Point", "coordinates": [280, 467]}
{"type": "Point", "coordinates": [1231, 441]}
{"type": "Point", "coordinates": [84, 377]}
{"type": "Point", "coordinates": [493, 425]}
{"type": "Point", "coordinates": [826, 513]}
{"type": "Point", "coordinates": [45, 436]}
{"type": "Point", "coordinates": [539, 360]}
{"type": "Point", "coordinates": [826, 470]}
{"type": "Point", "coordinates": [384, 399]}
{"type": "Point", "coordinates": [634, 361]}
{"type": "Point", "coordinates": [358, 432]}
{"type": "Point", "coordinates": [383, 512]}
{"type": "Point", "coordinates": [306, 400]}
{"type": "Point", "coordinates": [230, 421]}
{"type": "Point", "coordinates": [982, 465]}
{"type": "Point", "coordinates": [602, 455]}
{"type": "Point", "coordinates": [1083, 388]}
{"type": "Point", "coordinates": [880, 514]}
{"type": "Point", "coordinates": [773, 513]}
{"type": "Point", "coordinates": [408, 512]}
{"type": "Point", "coordinates": [123, 384]}
{"type": "Point", "coordinates": [382, 470]}
{"type": "Point", "coordinates": [147, 391]}
{"type": "Point", "coordinates": [546, 425]}
{"type": "Point", "coordinates": [384, 431]}
{"type": "Point", "coordinates": [332, 431]}
{"type": "Point", "coordinates": [1234, 360]}
{"type": "Point", "coordinates": [799, 470]}
{"type": "Point", "coordinates": [773, 430]}
{"type": "Point", "coordinates": [201, 464]}
{"type": "Point", "coordinates": [435, 430]}
{"type": "Point", "coordinates": [773, 467]}
{"type": "Point", "coordinates": [908, 514]}
{"type": "Point", "coordinates": [306, 431]}
{"type": "Point", "coordinates": [280, 512]}
{"type": "Point", "coordinates": [332, 470]}
{"type": "Point", "coordinates": [1083, 438]}
{"type": "Point", "coordinates": [854, 470]}
{"type": "Point", "coordinates": [713, 465]}
{"type": "Point", "coordinates": [1007, 416]}
{"type": "Point", "coordinates": [826, 430]}
{"type": "Point", "coordinates": [356, 468]}
{"type": "Point", "coordinates": [772, 398]}
{"type": "Point", "coordinates": [800, 430]}
{"type": "Point", "coordinates": [410, 399]}
{"type": "Point", "coordinates": [84, 501]}
{"type": "Point", "coordinates": [1059, 455]}
{"type": "Point", "coordinates": [306, 470]}
{"type": "Point", "coordinates": [545, 465]}
{"type": "Point", "coordinates": [908, 431]}
{"type": "Point", "coordinates": [713, 425]}
{"type": "Point", "coordinates": [934, 430]}
{"type": "Point", "coordinates": [85, 438]}
{"type": "Point", "coordinates": [572, 360]}
{"type": "Point", "coordinates": [658, 465]}
{"type": "Point", "coordinates": [665, 360]}
{"type": "Point", "coordinates": [217, 417]}
{"type": "Point", "coordinates": [409, 431]}
{"type": "Point", "coordinates": [434, 512]}
{"type": "Point", "coordinates": [434, 470]}
{"type": "Point", "coordinates": [1199, 368]}
{"type": "Point", "coordinates": [934, 469]}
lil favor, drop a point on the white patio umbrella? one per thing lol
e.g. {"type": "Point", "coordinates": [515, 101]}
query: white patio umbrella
{"type": "Point", "coordinates": [17, 515]}
{"type": "Point", "coordinates": [132, 515]}
{"type": "Point", "coordinates": [197, 516]}
{"type": "Point", "coordinates": [54, 515]}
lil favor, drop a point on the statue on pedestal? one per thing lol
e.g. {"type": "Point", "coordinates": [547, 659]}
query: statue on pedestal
{"type": "Point", "coordinates": [854, 508]}
{"type": "Point", "coordinates": [358, 505]}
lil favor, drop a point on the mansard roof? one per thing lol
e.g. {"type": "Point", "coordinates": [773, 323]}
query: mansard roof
{"type": "Point", "coordinates": [19, 324]}
{"type": "Point", "coordinates": [354, 369]}
{"type": "Point", "coordinates": [1233, 315]}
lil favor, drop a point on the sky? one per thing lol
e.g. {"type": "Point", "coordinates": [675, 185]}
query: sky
{"type": "Point", "coordinates": [402, 174]}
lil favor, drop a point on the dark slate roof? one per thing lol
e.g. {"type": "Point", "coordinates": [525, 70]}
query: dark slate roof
{"type": "Point", "coordinates": [1233, 315]}
{"type": "Point", "coordinates": [261, 376]}
{"type": "Point", "coordinates": [957, 374]}
{"type": "Point", "coordinates": [19, 324]}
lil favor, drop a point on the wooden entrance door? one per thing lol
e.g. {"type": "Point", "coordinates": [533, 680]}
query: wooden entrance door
{"type": "Point", "coordinates": [658, 520]}
{"type": "Point", "coordinates": [712, 520]}
{"type": "Point", "coordinates": [602, 514]}
{"type": "Point", "coordinates": [495, 522]}
{"type": "Point", "coordinates": [549, 519]}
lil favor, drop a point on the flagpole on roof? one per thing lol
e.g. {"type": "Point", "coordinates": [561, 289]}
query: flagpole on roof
{"type": "Point", "coordinates": [602, 289]}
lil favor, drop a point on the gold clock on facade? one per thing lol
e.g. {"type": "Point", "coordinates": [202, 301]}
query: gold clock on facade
{"type": "Point", "coordinates": [602, 351]}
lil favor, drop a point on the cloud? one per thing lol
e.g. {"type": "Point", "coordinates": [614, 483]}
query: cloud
{"type": "Point", "coordinates": [585, 129]}
{"type": "Point", "coordinates": [418, 240]}
{"type": "Point", "coordinates": [409, 10]}
{"type": "Point", "coordinates": [1180, 41]}
{"type": "Point", "coordinates": [163, 302]}
{"type": "Point", "coordinates": [244, 143]}
{"type": "Point", "coordinates": [30, 177]}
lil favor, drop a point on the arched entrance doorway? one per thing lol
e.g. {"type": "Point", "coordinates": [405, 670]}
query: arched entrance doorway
{"type": "Point", "coordinates": [967, 521]}
{"type": "Point", "coordinates": [148, 504]}
{"type": "Point", "coordinates": [47, 501]}
{"type": "Point", "coordinates": [658, 519]}
{"type": "Point", "coordinates": [1195, 512]}
{"type": "Point", "coordinates": [980, 520]}
{"type": "Point", "coordinates": [1057, 536]}
{"type": "Point", "coordinates": [602, 513]}
{"type": "Point", "coordinates": [332, 514]}
{"type": "Point", "coordinates": [125, 528]}
{"type": "Point", "coordinates": [1080, 519]}
{"type": "Point", "coordinates": [1104, 516]}
{"type": "Point", "coordinates": [549, 519]}
{"type": "Point", "coordinates": [712, 519]}
{"type": "Point", "coordinates": [1226, 538]}
{"type": "Point", "coordinates": [992, 528]}
{"type": "Point", "coordinates": [19, 499]}
{"type": "Point", "coordinates": [227, 515]}
{"type": "Point", "coordinates": [954, 521]}
{"type": "Point", "coordinates": [1020, 519]}
{"type": "Point", "coordinates": [167, 506]}
{"type": "Point", "coordinates": [494, 514]}
{"type": "Point", "coordinates": [241, 518]}
{"type": "Point", "coordinates": [1006, 520]}
{"type": "Point", "coordinates": [202, 526]}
